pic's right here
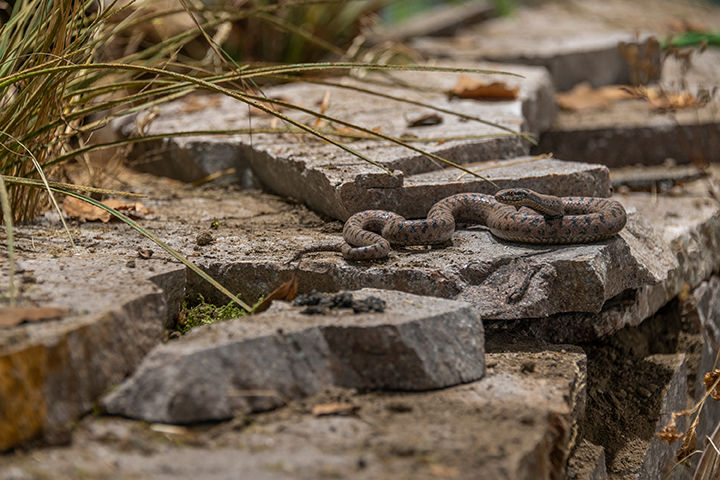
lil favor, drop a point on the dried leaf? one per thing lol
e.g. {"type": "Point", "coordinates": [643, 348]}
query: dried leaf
{"type": "Point", "coordinates": [661, 100]}
{"type": "Point", "coordinates": [79, 209]}
{"type": "Point", "coordinates": [425, 121]}
{"type": "Point", "coordinates": [286, 291]}
{"type": "Point", "coordinates": [585, 98]}
{"type": "Point", "coordinates": [467, 87]}
{"type": "Point", "coordinates": [688, 445]}
{"type": "Point", "coordinates": [669, 433]}
{"type": "Point", "coordinates": [335, 408]}
{"type": "Point", "coordinates": [710, 379]}
{"type": "Point", "coordinates": [14, 316]}
{"type": "Point", "coordinates": [144, 254]}
{"type": "Point", "coordinates": [443, 471]}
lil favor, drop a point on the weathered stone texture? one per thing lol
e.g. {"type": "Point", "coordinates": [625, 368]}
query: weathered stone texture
{"type": "Point", "coordinates": [260, 363]}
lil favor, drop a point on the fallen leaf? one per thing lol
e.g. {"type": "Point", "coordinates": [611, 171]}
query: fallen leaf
{"type": "Point", "coordinates": [444, 471]}
{"type": "Point", "coordinates": [669, 433]}
{"type": "Point", "coordinates": [286, 291]}
{"type": "Point", "coordinates": [320, 122]}
{"type": "Point", "coordinates": [144, 254]}
{"type": "Point", "coordinates": [585, 98]}
{"type": "Point", "coordinates": [467, 87]}
{"type": "Point", "coordinates": [661, 100]}
{"type": "Point", "coordinates": [14, 316]}
{"type": "Point", "coordinates": [77, 208]}
{"type": "Point", "coordinates": [710, 380]}
{"type": "Point", "coordinates": [335, 408]}
{"type": "Point", "coordinates": [688, 445]}
{"type": "Point", "coordinates": [425, 121]}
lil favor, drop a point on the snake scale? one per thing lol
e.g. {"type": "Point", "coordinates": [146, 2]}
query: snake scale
{"type": "Point", "coordinates": [515, 214]}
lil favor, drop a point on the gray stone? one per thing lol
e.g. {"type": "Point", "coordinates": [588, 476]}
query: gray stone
{"type": "Point", "coordinates": [259, 363]}
{"type": "Point", "coordinates": [630, 132]}
{"type": "Point", "coordinates": [578, 47]}
{"type": "Point", "coordinates": [440, 21]}
{"type": "Point", "coordinates": [336, 182]}
{"type": "Point", "coordinates": [52, 373]}
{"type": "Point", "coordinates": [514, 424]}
{"type": "Point", "coordinates": [690, 229]}
{"type": "Point", "coordinates": [587, 462]}
{"type": "Point", "coordinates": [706, 303]}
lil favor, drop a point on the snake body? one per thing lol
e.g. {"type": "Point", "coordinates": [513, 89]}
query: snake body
{"type": "Point", "coordinates": [516, 214]}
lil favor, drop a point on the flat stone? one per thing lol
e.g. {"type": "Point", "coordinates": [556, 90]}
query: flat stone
{"type": "Point", "coordinates": [514, 424]}
{"type": "Point", "coordinates": [255, 364]}
{"type": "Point", "coordinates": [440, 21]}
{"type": "Point", "coordinates": [690, 229]}
{"type": "Point", "coordinates": [631, 132]}
{"type": "Point", "coordinates": [52, 373]}
{"type": "Point", "coordinates": [331, 180]}
{"type": "Point", "coordinates": [587, 462]}
{"type": "Point", "coordinates": [578, 47]}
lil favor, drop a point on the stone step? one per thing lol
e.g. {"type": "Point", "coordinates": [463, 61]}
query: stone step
{"type": "Point", "coordinates": [259, 363]}
{"type": "Point", "coordinates": [578, 47]}
{"type": "Point", "coordinates": [514, 424]}
{"type": "Point", "coordinates": [326, 178]}
{"type": "Point", "coordinates": [52, 373]}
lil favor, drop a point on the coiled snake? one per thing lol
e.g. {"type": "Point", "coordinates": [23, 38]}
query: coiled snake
{"type": "Point", "coordinates": [546, 219]}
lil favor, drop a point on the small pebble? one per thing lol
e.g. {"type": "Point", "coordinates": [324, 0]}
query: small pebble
{"type": "Point", "coordinates": [205, 238]}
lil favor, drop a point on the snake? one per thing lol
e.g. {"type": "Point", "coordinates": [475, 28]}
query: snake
{"type": "Point", "coordinates": [513, 214]}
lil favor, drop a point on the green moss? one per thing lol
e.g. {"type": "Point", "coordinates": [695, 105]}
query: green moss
{"type": "Point", "coordinates": [204, 313]}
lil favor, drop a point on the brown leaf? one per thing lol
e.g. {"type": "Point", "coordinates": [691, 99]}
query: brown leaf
{"type": "Point", "coordinates": [286, 291]}
{"type": "Point", "coordinates": [467, 87]}
{"type": "Point", "coordinates": [688, 445]}
{"type": "Point", "coordinates": [335, 408]}
{"type": "Point", "coordinates": [14, 316]}
{"type": "Point", "coordinates": [710, 380]}
{"type": "Point", "coordinates": [75, 207]}
{"type": "Point", "coordinates": [661, 100]}
{"type": "Point", "coordinates": [669, 433]}
{"type": "Point", "coordinates": [585, 98]}
{"type": "Point", "coordinates": [444, 471]}
{"type": "Point", "coordinates": [425, 121]}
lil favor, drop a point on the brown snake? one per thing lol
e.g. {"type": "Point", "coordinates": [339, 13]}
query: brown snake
{"type": "Point", "coordinates": [546, 220]}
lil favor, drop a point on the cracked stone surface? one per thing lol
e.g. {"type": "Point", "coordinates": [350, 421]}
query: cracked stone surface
{"type": "Point", "coordinates": [331, 180]}
{"type": "Point", "coordinates": [690, 229]}
{"type": "Point", "coordinates": [578, 47]}
{"type": "Point", "coordinates": [418, 343]}
{"type": "Point", "coordinates": [516, 421]}
{"type": "Point", "coordinates": [51, 373]}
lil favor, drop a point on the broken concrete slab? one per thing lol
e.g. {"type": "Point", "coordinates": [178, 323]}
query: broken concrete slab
{"type": "Point", "coordinates": [52, 373]}
{"type": "Point", "coordinates": [690, 229]}
{"type": "Point", "coordinates": [334, 181]}
{"type": "Point", "coordinates": [587, 462]}
{"type": "Point", "coordinates": [511, 425]}
{"type": "Point", "coordinates": [577, 48]}
{"type": "Point", "coordinates": [260, 363]}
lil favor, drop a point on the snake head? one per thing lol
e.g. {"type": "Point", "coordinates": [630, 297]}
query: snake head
{"type": "Point", "coordinates": [516, 196]}
{"type": "Point", "coordinates": [548, 205]}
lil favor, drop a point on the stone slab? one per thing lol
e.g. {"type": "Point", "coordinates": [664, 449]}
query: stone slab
{"type": "Point", "coordinates": [440, 21]}
{"type": "Point", "coordinates": [689, 227]}
{"type": "Point", "coordinates": [630, 132]}
{"type": "Point", "coordinates": [331, 180]}
{"type": "Point", "coordinates": [513, 424]}
{"type": "Point", "coordinates": [52, 373]}
{"type": "Point", "coordinates": [578, 47]}
{"type": "Point", "coordinates": [418, 343]}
